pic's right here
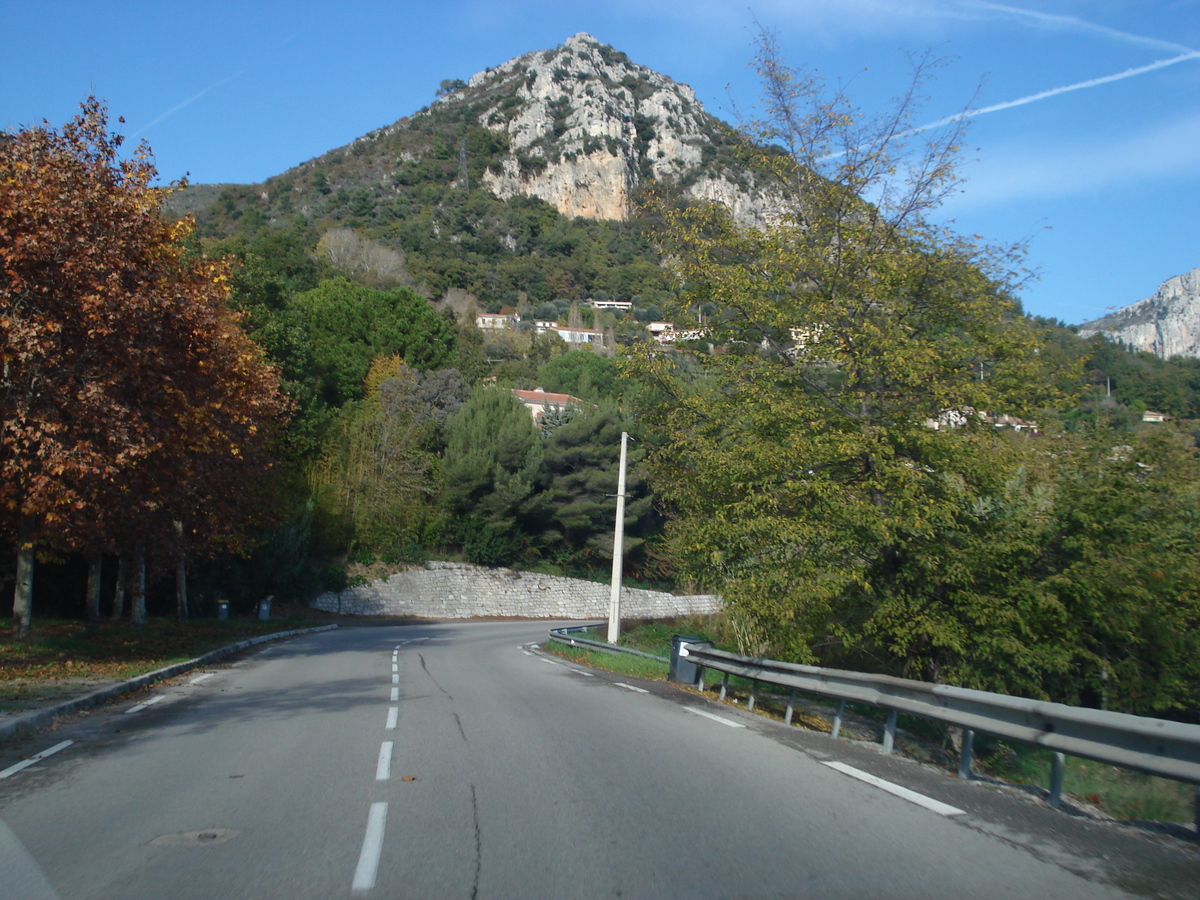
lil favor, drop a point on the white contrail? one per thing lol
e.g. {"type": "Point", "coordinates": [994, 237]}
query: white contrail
{"type": "Point", "coordinates": [178, 106]}
{"type": "Point", "coordinates": [1054, 92]}
{"type": "Point", "coordinates": [1081, 24]}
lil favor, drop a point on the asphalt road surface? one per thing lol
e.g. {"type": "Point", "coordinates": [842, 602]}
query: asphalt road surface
{"type": "Point", "coordinates": [452, 760]}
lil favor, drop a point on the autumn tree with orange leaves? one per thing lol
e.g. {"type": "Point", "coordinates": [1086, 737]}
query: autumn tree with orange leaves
{"type": "Point", "coordinates": [130, 399]}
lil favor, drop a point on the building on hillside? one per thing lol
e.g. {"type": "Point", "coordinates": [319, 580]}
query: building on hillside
{"type": "Point", "coordinates": [539, 401]}
{"type": "Point", "coordinates": [500, 321]}
{"type": "Point", "coordinates": [1149, 416]}
{"type": "Point", "coordinates": [610, 304]}
{"type": "Point", "coordinates": [663, 332]}
{"type": "Point", "coordinates": [576, 337]}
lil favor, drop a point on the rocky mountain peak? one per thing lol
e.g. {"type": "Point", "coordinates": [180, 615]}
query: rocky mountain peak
{"type": "Point", "coordinates": [584, 126]}
{"type": "Point", "coordinates": [1167, 323]}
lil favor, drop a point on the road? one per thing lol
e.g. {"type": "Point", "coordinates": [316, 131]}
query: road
{"type": "Point", "coordinates": [451, 760]}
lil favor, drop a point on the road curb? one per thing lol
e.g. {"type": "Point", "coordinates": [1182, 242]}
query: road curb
{"type": "Point", "coordinates": [37, 719]}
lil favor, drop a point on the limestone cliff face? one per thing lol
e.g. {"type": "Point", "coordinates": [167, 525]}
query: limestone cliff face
{"type": "Point", "coordinates": [585, 126]}
{"type": "Point", "coordinates": [1166, 324]}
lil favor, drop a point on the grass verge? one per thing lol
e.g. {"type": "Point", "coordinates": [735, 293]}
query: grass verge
{"type": "Point", "coordinates": [64, 659]}
{"type": "Point", "coordinates": [618, 663]}
{"type": "Point", "coordinates": [1120, 793]}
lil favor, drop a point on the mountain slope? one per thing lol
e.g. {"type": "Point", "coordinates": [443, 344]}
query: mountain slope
{"type": "Point", "coordinates": [519, 185]}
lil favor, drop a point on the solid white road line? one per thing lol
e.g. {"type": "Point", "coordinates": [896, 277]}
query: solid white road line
{"type": "Point", "coordinates": [383, 768]}
{"type": "Point", "coordinates": [393, 717]}
{"type": "Point", "coordinates": [159, 699]}
{"type": "Point", "coordinates": [942, 809]}
{"type": "Point", "coordinates": [630, 687]}
{"type": "Point", "coordinates": [395, 694]}
{"type": "Point", "coordinates": [200, 678]}
{"type": "Point", "coordinates": [714, 717]}
{"type": "Point", "coordinates": [368, 859]}
{"type": "Point", "coordinates": [38, 757]}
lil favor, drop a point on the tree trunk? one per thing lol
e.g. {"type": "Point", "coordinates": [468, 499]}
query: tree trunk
{"type": "Point", "coordinates": [119, 591]}
{"type": "Point", "coordinates": [181, 608]}
{"type": "Point", "coordinates": [93, 589]}
{"type": "Point", "coordinates": [23, 592]}
{"type": "Point", "coordinates": [137, 607]}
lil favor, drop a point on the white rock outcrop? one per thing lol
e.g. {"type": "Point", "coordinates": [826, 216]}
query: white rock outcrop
{"type": "Point", "coordinates": [585, 126]}
{"type": "Point", "coordinates": [1166, 324]}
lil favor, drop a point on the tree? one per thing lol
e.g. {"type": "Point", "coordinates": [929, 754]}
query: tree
{"type": "Point", "coordinates": [493, 455]}
{"type": "Point", "coordinates": [130, 398]}
{"type": "Point", "coordinates": [581, 373]}
{"type": "Point", "coordinates": [801, 462]}
{"type": "Point", "coordinates": [380, 474]}
{"type": "Point", "coordinates": [349, 325]}
{"type": "Point", "coordinates": [573, 514]}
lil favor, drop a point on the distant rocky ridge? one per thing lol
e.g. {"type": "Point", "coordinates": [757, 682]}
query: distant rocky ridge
{"type": "Point", "coordinates": [1166, 324]}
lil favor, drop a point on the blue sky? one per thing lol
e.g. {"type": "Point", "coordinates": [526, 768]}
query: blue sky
{"type": "Point", "coordinates": [1092, 151]}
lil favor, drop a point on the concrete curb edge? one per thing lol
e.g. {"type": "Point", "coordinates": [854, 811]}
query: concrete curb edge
{"type": "Point", "coordinates": [9, 730]}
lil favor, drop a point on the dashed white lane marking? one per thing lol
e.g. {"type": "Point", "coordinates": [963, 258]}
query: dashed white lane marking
{"type": "Point", "coordinates": [581, 672]}
{"type": "Point", "coordinates": [368, 859]}
{"type": "Point", "coordinates": [526, 652]}
{"type": "Point", "coordinates": [383, 768]}
{"type": "Point", "coordinates": [395, 678]}
{"type": "Point", "coordinates": [393, 718]}
{"type": "Point", "coordinates": [630, 687]}
{"type": "Point", "coordinates": [714, 717]}
{"type": "Point", "coordinates": [395, 694]}
{"type": "Point", "coordinates": [134, 709]}
{"type": "Point", "coordinates": [200, 678]}
{"type": "Point", "coordinates": [37, 757]}
{"type": "Point", "coordinates": [395, 667]}
{"type": "Point", "coordinates": [942, 809]}
{"type": "Point", "coordinates": [548, 661]}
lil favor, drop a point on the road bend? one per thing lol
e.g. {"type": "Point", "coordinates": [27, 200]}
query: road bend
{"type": "Point", "coordinates": [452, 760]}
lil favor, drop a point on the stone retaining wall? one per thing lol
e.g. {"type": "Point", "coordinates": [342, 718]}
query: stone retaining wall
{"type": "Point", "coordinates": [445, 590]}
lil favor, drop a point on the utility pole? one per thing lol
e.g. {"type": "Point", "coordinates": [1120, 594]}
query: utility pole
{"type": "Point", "coordinates": [614, 598]}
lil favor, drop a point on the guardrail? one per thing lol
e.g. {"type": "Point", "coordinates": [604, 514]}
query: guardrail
{"type": "Point", "coordinates": [565, 636]}
{"type": "Point", "coordinates": [1154, 746]}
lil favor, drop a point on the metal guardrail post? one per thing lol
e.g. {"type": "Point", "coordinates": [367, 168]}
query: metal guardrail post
{"type": "Point", "coordinates": [753, 691]}
{"type": "Point", "coordinates": [966, 753]}
{"type": "Point", "coordinates": [700, 686]}
{"type": "Point", "coordinates": [787, 718]}
{"type": "Point", "coordinates": [725, 687]}
{"type": "Point", "coordinates": [837, 720]}
{"type": "Point", "coordinates": [1056, 779]}
{"type": "Point", "coordinates": [889, 732]}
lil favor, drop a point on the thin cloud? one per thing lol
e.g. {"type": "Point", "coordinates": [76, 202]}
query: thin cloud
{"type": "Point", "coordinates": [190, 100]}
{"type": "Point", "coordinates": [1054, 92]}
{"type": "Point", "coordinates": [1077, 24]}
